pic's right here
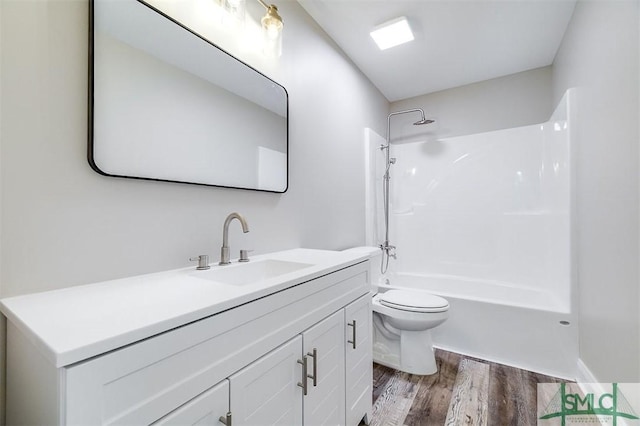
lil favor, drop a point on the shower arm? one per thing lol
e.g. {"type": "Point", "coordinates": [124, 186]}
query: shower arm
{"type": "Point", "coordinates": [406, 111]}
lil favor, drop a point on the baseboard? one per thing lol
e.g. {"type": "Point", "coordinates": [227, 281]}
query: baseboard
{"type": "Point", "coordinates": [496, 360]}
{"type": "Point", "coordinates": [584, 374]}
{"type": "Point", "coordinates": [588, 383]}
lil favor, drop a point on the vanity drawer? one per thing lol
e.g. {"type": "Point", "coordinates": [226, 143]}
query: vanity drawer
{"type": "Point", "coordinates": [140, 383]}
{"type": "Point", "coordinates": [204, 409]}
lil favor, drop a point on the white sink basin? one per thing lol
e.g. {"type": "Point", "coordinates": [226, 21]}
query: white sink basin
{"type": "Point", "coordinates": [250, 272]}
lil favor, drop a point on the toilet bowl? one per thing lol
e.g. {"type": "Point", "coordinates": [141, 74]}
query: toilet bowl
{"type": "Point", "coordinates": [402, 321]}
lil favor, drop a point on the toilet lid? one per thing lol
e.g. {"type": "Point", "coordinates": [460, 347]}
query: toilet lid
{"type": "Point", "coordinates": [415, 301]}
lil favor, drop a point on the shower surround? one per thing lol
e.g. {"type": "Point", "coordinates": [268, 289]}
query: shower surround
{"type": "Point", "coordinates": [484, 220]}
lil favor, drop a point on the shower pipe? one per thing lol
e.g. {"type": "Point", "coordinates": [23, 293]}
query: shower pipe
{"type": "Point", "coordinates": [389, 250]}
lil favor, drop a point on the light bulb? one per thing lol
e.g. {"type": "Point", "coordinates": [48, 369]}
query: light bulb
{"type": "Point", "coordinates": [272, 32]}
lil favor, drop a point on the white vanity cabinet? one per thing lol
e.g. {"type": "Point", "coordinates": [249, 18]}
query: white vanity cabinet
{"type": "Point", "coordinates": [302, 382]}
{"type": "Point", "coordinates": [359, 372]}
{"type": "Point", "coordinates": [247, 360]}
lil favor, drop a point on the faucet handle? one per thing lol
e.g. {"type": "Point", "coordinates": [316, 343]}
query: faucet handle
{"type": "Point", "coordinates": [203, 262]}
{"type": "Point", "coordinates": [244, 255]}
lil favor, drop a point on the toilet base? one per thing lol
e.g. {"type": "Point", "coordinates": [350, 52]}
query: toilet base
{"type": "Point", "coordinates": [416, 353]}
{"type": "Point", "coordinates": [411, 353]}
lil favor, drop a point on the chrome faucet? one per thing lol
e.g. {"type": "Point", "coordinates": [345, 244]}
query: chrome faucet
{"type": "Point", "coordinates": [224, 252]}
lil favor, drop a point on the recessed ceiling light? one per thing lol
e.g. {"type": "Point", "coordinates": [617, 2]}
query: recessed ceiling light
{"type": "Point", "coordinates": [392, 33]}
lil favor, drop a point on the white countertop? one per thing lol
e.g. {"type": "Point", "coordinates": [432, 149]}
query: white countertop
{"type": "Point", "coordinates": [72, 324]}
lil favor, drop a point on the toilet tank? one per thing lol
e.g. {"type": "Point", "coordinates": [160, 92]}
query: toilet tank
{"type": "Point", "coordinates": [375, 257]}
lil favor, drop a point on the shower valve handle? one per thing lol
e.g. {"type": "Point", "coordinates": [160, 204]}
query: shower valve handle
{"type": "Point", "coordinates": [391, 251]}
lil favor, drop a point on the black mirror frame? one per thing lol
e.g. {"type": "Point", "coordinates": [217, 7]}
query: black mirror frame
{"type": "Point", "coordinates": [90, 127]}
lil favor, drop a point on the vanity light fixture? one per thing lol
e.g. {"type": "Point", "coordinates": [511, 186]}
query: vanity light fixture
{"type": "Point", "coordinates": [271, 23]}
{"type": "Point", "coordinates": [272, 29]}
{"type": "Point", "coordinates": [392, 33]}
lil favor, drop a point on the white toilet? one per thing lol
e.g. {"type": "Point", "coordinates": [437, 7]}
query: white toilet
{"type": "Point", "coordinates": [402, 322]}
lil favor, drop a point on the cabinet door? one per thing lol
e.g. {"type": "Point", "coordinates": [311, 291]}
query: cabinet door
{"type": "Point", "coordinates": [359, 368]}
{"type": "Point", "coordinates": [324, 403]}
{"type": "Point", "coordinates": [203, 410]}
{"type": "Point", "coordinates": [266, 392]}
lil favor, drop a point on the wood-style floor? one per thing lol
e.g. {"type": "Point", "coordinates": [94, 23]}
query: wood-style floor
{"type": "Point", "coordinates": [464, 391]}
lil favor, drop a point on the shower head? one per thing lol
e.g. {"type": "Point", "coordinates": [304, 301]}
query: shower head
{"type": "Point", "coordinates": [423, 121]}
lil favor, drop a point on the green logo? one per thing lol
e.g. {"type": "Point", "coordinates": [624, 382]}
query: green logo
{"type": "Point", "coordinates": [577, 406]}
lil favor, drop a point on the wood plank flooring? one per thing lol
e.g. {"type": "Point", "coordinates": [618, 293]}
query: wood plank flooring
{"type": "Point", "coordinates": [465, 391]}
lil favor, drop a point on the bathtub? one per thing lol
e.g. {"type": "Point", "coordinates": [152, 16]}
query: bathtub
{"type": "Point", "coordinates": [508, 324]}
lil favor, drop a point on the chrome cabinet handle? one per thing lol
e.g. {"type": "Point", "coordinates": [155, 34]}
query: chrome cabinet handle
{"type": "Point", "coordinates": [303, 384]}
{"type": "Point", "coordinates": [353, 342]}
{"type": "Point", "coordinates": [225, 420]}
{"type": "Point", "coordinates": [314, 355]}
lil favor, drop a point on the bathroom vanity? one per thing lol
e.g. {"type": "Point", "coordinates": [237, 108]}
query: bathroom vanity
{"type": "Point", "coordinates": [284, 339]}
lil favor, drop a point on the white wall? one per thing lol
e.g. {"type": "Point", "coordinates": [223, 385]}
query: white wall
{"type": "Point", "coordinates": [599, 55]}
{"type": "Point", "coordinates": [63, 224]}
{"type": "Point", "coordinates": [501, 103]}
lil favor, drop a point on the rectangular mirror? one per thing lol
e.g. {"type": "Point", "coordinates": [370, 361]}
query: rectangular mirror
{"type": "Point", "coordinates": [166, 104]}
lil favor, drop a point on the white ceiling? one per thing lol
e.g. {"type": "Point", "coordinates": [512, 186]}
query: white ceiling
{"type": "Point", "coordinates": [457, 42]}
